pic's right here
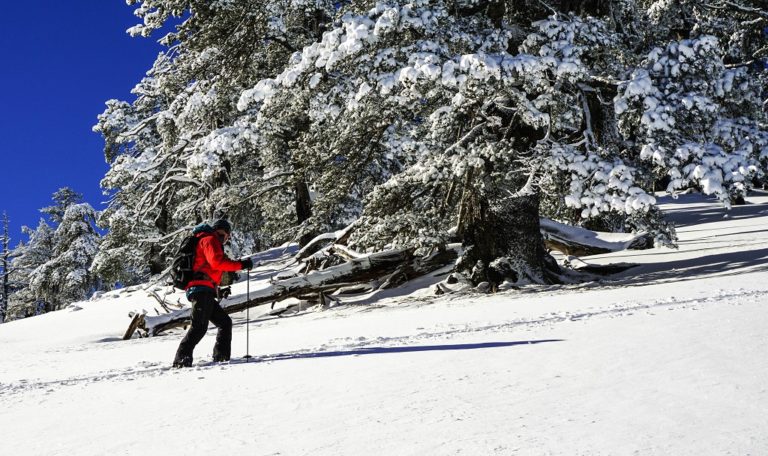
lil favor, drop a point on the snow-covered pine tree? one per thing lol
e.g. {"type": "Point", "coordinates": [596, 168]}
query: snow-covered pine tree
{"type": "Point", "coordinates": [695, 131]}
{"type": "Point", "coordinates": [429, 89]}
{"type": "Point", "coordinates": [5, 269]}
{"type": "Point", "coordinates": [27, 257]}
{"type": "Point", "coordinates": [436, 121]}
{"type": "Point", "coordinates": [458, 122]}
{"type": "Point", "coordinates": [706, 132]}
{"type": "Point", "coordinates": [176, 155]}
{"type": "Point", "coordinates": [66, 276]}
{"type": "Point", "coordinates": [62, 198]}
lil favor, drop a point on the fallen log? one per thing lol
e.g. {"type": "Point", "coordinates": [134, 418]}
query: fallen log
{"type": "Point", "coordinates": [336, 238]}
{"type": "Point", "coordinates": [137, 320]}
{"type": "Point", "coordinates": [356, 271]}
{"type": "Point", "coordinates": [576, 241]}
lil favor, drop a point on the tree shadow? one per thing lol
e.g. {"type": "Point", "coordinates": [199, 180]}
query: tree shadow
{"type": "Point", "coordinates": [107, 340]}
{"type": "Point", "coordinates": [709, 212]}
{"type": "Point", "coordinates": [723, 264]}
{"type": "Point", "coordinates": [718, 237]}
{"type": "Point", "coordinates": [387, 350]}
{"type": "Point", "coordinates": [711, 259]}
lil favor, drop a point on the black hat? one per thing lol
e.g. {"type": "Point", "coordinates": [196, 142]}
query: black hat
{"type": "Point", "coordinates": [222, 224]}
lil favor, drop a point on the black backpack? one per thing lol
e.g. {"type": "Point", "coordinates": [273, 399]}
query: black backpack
{"type": "Point", "coordinates": [183, 261]}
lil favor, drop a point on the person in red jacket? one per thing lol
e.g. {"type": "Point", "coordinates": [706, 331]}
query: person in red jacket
{"type": "Point", "coordinates": [209, 266]}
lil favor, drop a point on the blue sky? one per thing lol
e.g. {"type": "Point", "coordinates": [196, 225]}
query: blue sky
{"type": "Point", "coordinates": [61, 60]}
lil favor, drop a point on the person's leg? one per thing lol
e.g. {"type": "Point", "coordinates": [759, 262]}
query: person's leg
{"type": "Point", "coordinates": [202, 306]}
{"type": "Point", "coordinates": [223, 347]}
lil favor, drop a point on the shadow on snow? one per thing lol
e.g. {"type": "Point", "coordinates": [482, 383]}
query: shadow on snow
{"type": "Point", "coordinates": [388, 350]}
{"type": "Point", "coordinates": [722, 264]}
{"type": "Point", "coordinates": [709, 213]}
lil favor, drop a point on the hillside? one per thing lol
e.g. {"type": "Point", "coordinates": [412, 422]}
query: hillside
{"type": "Point", "coordinates": [665, 358]}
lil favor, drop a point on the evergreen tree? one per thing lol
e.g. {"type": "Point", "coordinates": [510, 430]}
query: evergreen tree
{"type": "Point", "coordinates": [487, 138]}
{"type": "Point", "coordinates": [52, 268]}
{"type": "Point", "coordinates": [63, 198]}
{"type": "Point", "coordinates": [27, 257]}
{"type": "Point", "coordinates": [66, 277]}
{"type": "Point", "coordinates": [5, 270]}
{"type": "Point", "coordinates": [173, 159]}
{"type": "Point", "coordinates": [430, 122]}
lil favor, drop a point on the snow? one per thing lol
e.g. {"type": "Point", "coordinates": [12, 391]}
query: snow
{"type": "Point", "coordinates": [667, 357]}
{"type": "Point", "coordinates": [608, 241]}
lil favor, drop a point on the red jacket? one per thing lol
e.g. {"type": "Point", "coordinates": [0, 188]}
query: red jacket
{"type": "Point", "coordinates": [211, 261]}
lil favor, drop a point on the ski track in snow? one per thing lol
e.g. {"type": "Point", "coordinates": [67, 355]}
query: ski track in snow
{"type": "Point", "coordinates": [349, 345]}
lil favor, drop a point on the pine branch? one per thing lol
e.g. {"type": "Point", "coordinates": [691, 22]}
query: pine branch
{"type": "Point", "coordinates": [746, 9]}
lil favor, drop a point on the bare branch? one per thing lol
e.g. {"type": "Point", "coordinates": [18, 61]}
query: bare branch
{"type": "Point", "coordinates": [549, 7]}
{"type": "Point", "coordinates": [466, 137]}
{"type": "Point", "coordinates": [528, 188]}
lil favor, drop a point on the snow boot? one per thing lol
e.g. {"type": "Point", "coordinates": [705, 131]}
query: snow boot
{"type": "Point", "coordinates": [183, 362]}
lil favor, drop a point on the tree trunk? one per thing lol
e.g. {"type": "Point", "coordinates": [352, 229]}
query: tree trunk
{"type": "Point", "coordinates": [303, 208]}
{"type": "Point", "coordinates": [303, 203]}
{"type": "Point", "coordinates": [504, 241]}
{"type": "Point", "coordinates": [154, 259]}
{"type": "Point", "coordinates": [496, 10]}
{"type": "Point", "coordinates": [590, 7]}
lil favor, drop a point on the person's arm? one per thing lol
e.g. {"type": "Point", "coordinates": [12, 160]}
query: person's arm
{"type": "Point", "coordinates": [214, 255]}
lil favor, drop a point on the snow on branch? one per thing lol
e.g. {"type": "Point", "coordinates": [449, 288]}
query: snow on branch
{"type": "Point", "coordinates": [572, 240]}
{"type": "Point", "coordinates": [358, 270]}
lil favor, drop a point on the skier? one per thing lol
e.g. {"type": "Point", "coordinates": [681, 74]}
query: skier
{"type": "Point", "coordinates": [209, 265]}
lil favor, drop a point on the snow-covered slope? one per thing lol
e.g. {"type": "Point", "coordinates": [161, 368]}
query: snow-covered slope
{"type": "Point", "coordinates": [667, 358]}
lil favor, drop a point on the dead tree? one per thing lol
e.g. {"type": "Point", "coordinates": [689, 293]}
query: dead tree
{"type": "Point", "coordinates": [392, 267]}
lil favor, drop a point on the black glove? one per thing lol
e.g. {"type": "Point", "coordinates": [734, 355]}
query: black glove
{"type": "Point", "coordinates": [224, 292]}
{"type": "Point", "coordinates": [246, 263]}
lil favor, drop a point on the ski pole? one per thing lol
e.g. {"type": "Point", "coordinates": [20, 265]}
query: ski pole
{"type": "Point", "coordinates": [248, 316]}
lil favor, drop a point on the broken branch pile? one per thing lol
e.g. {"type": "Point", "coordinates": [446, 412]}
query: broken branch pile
{"type": "Point", "coordinates": [394, 266]}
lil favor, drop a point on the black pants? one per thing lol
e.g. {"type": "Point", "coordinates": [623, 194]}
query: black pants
{"type": "Point", "coordinates": [205, 309]}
